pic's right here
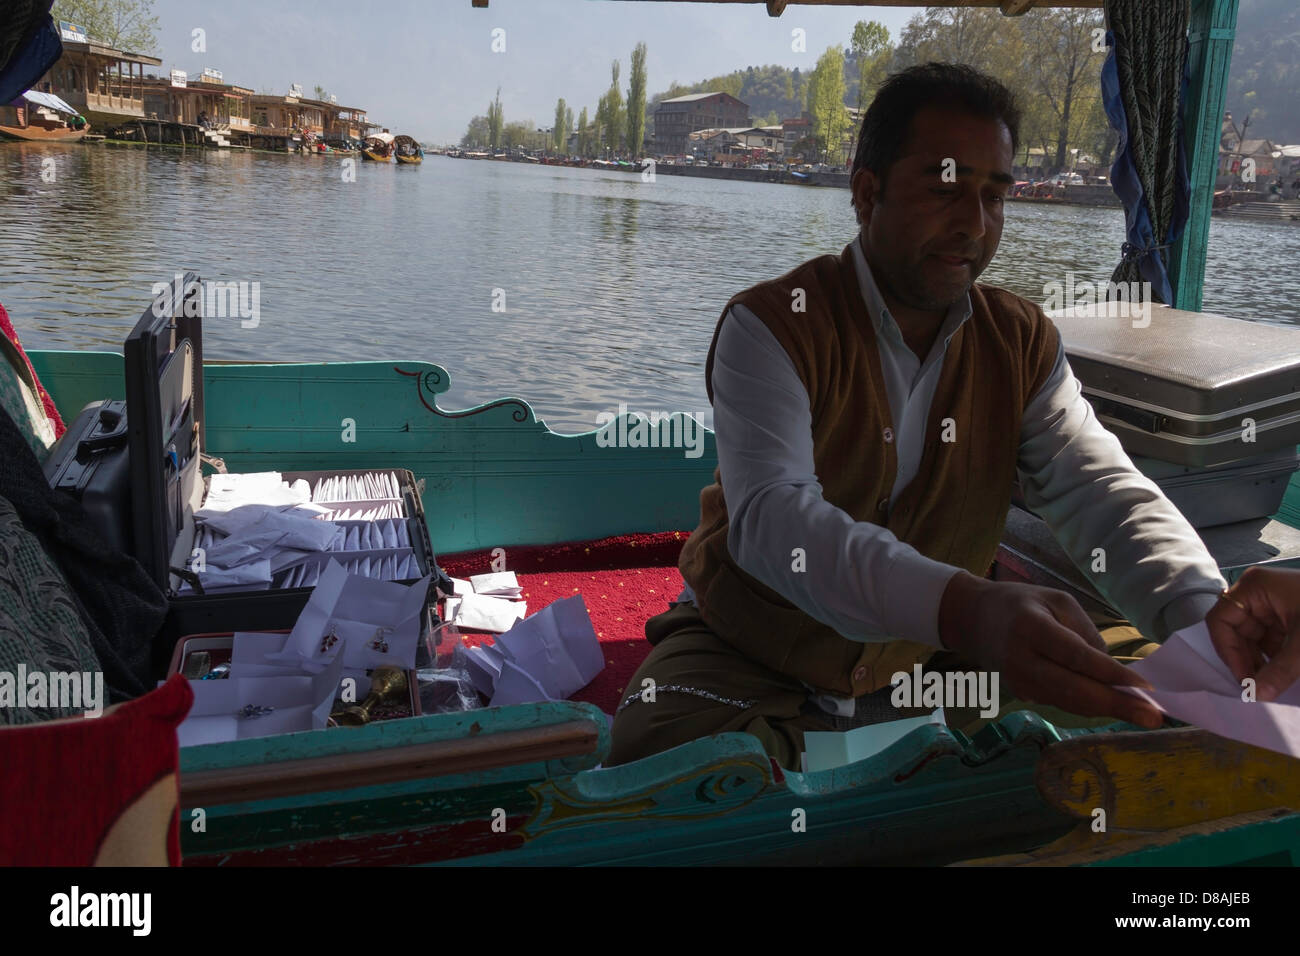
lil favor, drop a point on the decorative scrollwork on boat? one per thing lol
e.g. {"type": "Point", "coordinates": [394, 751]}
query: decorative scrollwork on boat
{"type": "Point", "coordinates": [724, 786]}
{"type": "Point", "coordinates": [433, 382]}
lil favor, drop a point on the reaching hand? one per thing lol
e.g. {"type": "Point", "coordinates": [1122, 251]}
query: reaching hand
{"type": "Point", "coordinates": [1255, 627]}
{"type": "Point", "coordinates": [1043, 646]}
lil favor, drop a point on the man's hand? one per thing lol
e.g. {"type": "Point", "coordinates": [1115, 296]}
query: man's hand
{"type": "Point", "coordinates": [1255, 628]}
{"type": "Point", "coordinates": [1042, 645]}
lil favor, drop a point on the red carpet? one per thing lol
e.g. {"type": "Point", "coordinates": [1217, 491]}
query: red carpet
{"type": "Point", "coordinates": [624, 580]}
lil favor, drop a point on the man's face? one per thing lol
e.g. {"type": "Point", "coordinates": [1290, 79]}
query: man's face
{"type": "Point", "coordinates": [928, 235]}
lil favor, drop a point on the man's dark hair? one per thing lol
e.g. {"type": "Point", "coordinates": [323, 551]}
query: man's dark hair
{"type": "Point", "coordinates": [954, 86]}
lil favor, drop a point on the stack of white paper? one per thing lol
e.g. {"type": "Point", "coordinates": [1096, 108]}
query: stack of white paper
{"type": "Point", "coordinates": [548, 656]}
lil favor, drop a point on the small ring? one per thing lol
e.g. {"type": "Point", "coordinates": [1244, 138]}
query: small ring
{"type": "Point", "coordinates": [1225, 596]}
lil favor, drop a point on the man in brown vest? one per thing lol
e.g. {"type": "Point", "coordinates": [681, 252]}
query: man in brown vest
{"type": "Point", "coordinates": [872, 412]}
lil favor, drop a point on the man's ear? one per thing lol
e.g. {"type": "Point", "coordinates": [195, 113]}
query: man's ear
{"type": "Point", "coordinates": [865, 189]}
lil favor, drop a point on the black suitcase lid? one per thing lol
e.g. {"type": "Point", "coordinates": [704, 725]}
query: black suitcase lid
{"type": "Point", "coordinates": [164, 398]}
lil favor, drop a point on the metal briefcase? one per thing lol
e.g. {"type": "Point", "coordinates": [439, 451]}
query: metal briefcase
{"type": "Point", "coordinates": [1189, 388]}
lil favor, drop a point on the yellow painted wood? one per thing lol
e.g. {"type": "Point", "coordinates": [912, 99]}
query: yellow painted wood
{"type": "Point", "coordinates": [1071, 850]}
{"type": "Point", "coordinates": [1164, 780]}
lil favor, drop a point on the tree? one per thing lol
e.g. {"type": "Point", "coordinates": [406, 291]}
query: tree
{"type": "Point", "coordinates": [495, 119]}
{"type": "Point", "coordinates": [584, 134]}
{"type": "Point", "coordinates": [826, 101]}
{"type": "Point", "coordinates": [612, 121]}
{"type": "Point", "coordinates": [636, 102]}
{"type": "Point", "coordinates": [1062, 71]}
{"type": "Point", "coordinates": [955, 35]}
{"type": "Point", "coordinates": [120, 24]}
{"type": "Point", "coordinates": [319, 93]}
{"type": "Point", "coordinates": [477, 135]}
{"type": "Point", "coordinates": [568, 128]}
{"type": "Point", "coordinates": [871, 51]}
{"type": "Point", "coordinates": [560, 135]}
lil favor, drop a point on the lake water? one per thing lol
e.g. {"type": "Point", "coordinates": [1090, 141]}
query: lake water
{"type": "Point", "coordinates": [611, 285]}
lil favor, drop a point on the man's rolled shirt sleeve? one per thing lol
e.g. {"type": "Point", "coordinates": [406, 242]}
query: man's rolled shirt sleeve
{"type": "Point", "coordinates": [859, 578]}
{"type": "Point", "coordinates": [1077, 477]}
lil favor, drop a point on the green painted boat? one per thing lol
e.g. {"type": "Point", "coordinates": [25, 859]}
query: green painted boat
{"type": "Point", "coordinates": [523, 785]}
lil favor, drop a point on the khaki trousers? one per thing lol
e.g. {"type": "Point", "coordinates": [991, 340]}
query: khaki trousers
{"type": "Point", "coordinates": [702, 686]}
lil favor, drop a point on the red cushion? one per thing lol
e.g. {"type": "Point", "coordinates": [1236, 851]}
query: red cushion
{"type": "Point", "coordinates": [103, 790]}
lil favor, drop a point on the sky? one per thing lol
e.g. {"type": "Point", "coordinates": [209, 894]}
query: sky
{"type": "Point", "coordinates": [426, 67]}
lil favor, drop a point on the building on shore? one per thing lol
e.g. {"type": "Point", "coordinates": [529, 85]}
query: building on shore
{"type": "Point", "coordinates": [795, 131]}
{"type": "Point", "coordinates": [284, 121]}
{"type": "Point", "coordinates": [178, 98]}
{"type": "Point", "coordinates": [739, 145]}
{"type": "Point", "coordinates": [117, 90]}
{"type": "Point", "coordinates": [677, 118]}
{"type": "Point", "coordinates": [105, 85]}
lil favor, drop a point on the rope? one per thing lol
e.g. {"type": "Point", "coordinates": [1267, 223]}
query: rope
{"type": "Point", "coordinates": [1150, 49]}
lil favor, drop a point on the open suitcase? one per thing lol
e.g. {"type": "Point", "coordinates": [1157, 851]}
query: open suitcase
{"type": "Point", "coordinates": [1190, 388]}
{"type": "Point", "coordinates": [138, 469]}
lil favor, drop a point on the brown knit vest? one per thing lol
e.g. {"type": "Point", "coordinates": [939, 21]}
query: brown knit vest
{"type": "Point", "coordinates": [954, 509]}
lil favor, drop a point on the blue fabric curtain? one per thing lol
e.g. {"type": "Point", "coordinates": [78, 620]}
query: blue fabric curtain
{"type": "Point", "coordinates": [30, 60]}
{"type": "Point", "coordinates": [1143, 248]}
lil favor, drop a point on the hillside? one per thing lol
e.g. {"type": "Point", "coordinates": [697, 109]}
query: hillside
{"type": "Point", "coordinates": [1264, 81]}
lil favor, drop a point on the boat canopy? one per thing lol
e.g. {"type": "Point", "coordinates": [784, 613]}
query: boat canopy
{"type": "Point", "coordinates": [48, 100]}
{"type": "Point", "coordinates": [385, 138]}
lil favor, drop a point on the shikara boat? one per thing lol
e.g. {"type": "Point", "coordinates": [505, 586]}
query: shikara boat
{"type": "Point", "coordinates": [38, 117]}
{"type": "Point", "coordinates": [524, 785]}
{"type": "Point", "coordinates": [379, 148]}
{"type": "Point", "coordinates": [407, 150]}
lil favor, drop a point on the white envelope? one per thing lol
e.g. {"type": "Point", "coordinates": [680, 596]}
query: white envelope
{"type": "Point", "coordinates": [495, 582]}
{"type": "Point", "coordinates": [557, 647]}
{"type": "Point", "coordinates": [296, 702]}
{"type": "Point", "coordinates": [825, 750]}
{"type": "Point", "coordinates": [481, 612]}
{"type": "Point", "coordinates": [356, 608]}
{"type": "Point", "coordinates": [516, 686]}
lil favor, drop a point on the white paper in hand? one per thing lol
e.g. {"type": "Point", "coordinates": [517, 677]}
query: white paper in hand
{"type": "Point", "coordinates": [1194, 685]}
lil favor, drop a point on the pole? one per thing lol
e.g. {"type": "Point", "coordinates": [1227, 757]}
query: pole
{"type": "Point", "coordinates": [1211, 30]}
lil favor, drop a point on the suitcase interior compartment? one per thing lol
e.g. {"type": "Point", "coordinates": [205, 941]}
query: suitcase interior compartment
{"type": "Point", "coordinates": [165, 399]}
{"type": "Point", "coordinates": [1225, 494]}
{"type": "Point", "coordinates": [1181, 388]}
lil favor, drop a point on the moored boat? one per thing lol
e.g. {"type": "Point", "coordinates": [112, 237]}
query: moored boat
{"type": "Point", "coordinates": [379, 148]}
{"type": "Point", "coordinates": [407, 150]}
{"type": "Point", "coordinates": [36, 117]}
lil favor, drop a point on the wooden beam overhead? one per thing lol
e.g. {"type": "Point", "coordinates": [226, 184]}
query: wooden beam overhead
{"type": "Point", "coordinates": [1011, 8]}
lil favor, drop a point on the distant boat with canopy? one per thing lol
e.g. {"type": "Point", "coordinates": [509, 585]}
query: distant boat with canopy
{"type": "Point", "coordinates": [39, 117]}
{"type": "Point", "coordinates": [379, 147]}
{"type": "Point", "coordinates": [407, 150]}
